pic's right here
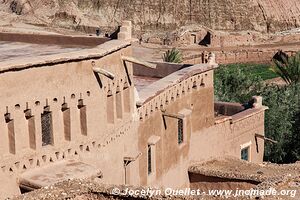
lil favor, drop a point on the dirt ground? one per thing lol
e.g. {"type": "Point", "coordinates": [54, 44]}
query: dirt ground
{"type": "Point", "coordinates": [279, 177]}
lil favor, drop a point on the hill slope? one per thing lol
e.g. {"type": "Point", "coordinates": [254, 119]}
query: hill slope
{"type": "Point", "coordinates": [259, 15]}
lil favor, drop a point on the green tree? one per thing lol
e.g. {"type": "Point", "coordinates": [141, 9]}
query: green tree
{"type": "Point", "coordinates": [282, 120]}
{"type": "Point", "coordinates": [280, 123]}
{"type": "Point", "coordinates": [173, 56]}
{"type": "Point", "coordinates": [234, 84]}
{"type": "Point", "coordinates": [288, 68]}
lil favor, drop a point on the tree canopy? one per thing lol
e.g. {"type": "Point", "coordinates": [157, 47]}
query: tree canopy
{"type": "Point", "coordinates": [282, 120]}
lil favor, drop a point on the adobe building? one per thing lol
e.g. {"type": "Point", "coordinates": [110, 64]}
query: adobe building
{"type": "Point", "coordinates": [81, 111]}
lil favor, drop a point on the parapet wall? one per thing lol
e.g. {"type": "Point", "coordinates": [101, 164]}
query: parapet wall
{"type": "Point", "coordinates": [227, 108]}
{"type": "Point", "coordinates": [53, 39]}
{"type": "Point", "coordinates": [162, 69]}
{"type": "Point", "coordinates": [231, 57]}
{"type": "Point", "coordinates": [174, 85]}
{"type": "Point", "coordinates": [229, 135]}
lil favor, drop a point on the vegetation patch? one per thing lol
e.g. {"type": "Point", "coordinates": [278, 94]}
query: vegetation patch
{"type": "Point", "coordinates": [237, 83]}
{"type": "Point", "coordinates": [264, 71]}
{"type": "Point", "coordinates": [173, 56]}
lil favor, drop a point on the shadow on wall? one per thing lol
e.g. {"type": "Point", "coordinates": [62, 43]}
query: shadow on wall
{"type": "Point", "coordinates": [206, 41]}
{"type": "Point", "coordinates": [162, 70]}
{"type": "Point", "coordinates": [114, 35]}
{"type": "Point", "coordinates": [227, 108]}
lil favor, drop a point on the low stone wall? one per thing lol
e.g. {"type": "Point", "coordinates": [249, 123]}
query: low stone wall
{"type": "Point", "coordinates": [162, 69]}
{"type": "Point", "coordinates": [228, 109]}
{"type": "Point", "coordinates": [231, 57]}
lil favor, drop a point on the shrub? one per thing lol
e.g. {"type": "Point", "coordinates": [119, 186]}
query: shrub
{"type": "Point", "coordinates": [233, 84]}
{"type": "Point", "coordinates": [282, 122]}
{"type": "Point", "coordinates": [173, 56]}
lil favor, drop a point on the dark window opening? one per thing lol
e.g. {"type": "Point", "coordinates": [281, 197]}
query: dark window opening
{"type": "Point", "coordinates": [245, 154]}
{"type": "Point", "coordinates": [149, 160]}
{"type": "Point", "coordinates": [206, 40]}
{"type": "Point", "coordinates": [180, 131]}
{"type": "Point", "coordinates": [24, 189]}
{"type": "Point", "coordinates": [194, 38]}
{"type": "Point", "coordinates": [47, 132]}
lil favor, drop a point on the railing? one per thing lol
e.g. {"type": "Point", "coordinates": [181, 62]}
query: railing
{"type": "Point", "coordinates": [161, 93]}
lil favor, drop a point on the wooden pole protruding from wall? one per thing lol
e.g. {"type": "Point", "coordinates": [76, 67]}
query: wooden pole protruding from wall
{"type": "Point", "coordinates": [104, 72]}
{"type": "Point", "coordinates": [266, 139]}
{"type": "Point", "coordinates": [171, 115]}
{"type": "Point", "coordinates": [137, 61]}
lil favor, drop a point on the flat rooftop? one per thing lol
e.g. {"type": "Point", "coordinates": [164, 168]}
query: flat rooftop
{"type": "Point", "coordinates": [20, 50]}
{"type": "Point", "coordinates": [23, 45]}
{"type": "Point", "coordinates": [140, 82]}
{"type": "Point", "coordinates": [232, 168]}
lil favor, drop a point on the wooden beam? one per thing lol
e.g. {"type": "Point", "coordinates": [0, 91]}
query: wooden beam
{"type": "Point", "coordinates": [137, 61]}
{"type": "Point", "coordinates": [265, 138]}
{"type": "Point", "coordinates": [130, 159]}
{"type": "Point", "coordinates": [176, 116]}
{"type": "Point", "coordinates": [104, 72]}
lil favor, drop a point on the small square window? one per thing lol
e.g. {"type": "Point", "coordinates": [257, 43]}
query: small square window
{"type": "Point", "coordinates": [180, 131]}
{"type": "Point", "coordinates": [245, 154]}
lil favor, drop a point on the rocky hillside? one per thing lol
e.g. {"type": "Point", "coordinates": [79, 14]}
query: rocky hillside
{"type": "Point", "coordinates": [259, 15]}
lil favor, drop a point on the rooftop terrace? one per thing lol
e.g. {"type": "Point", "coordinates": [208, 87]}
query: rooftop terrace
{"type": "Point", "coordinates": [21, 50]}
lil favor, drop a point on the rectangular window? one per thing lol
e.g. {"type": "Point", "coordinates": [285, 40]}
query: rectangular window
{"type": "Point", "coordinates": [245, 154]}
{"type": "Point", "coordinates": [47, 132]}
{"type": "Point", "coordinates": [149, 160]}
{"type": "Point", "coordinates": [180, 131]}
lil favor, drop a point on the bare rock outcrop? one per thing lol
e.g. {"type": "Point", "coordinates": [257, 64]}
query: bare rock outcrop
{"type": "Point", "coordinates": [20, 7]}
{"type": "Point", "coordinates": [227, 15]}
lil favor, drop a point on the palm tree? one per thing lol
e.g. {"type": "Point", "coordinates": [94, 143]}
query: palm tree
{"type": "Point", "coordinates": [173, 56]}
{"type": "Point", "coordinates": [288, 68]}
